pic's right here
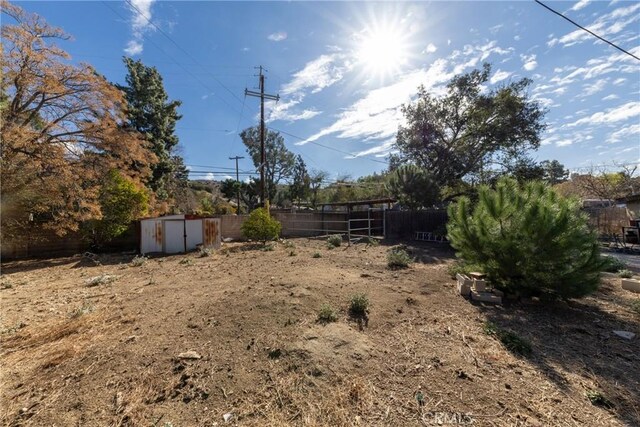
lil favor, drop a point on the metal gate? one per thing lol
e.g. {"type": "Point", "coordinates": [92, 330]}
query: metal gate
{"type": "Point", "coordinates": [372, 225]}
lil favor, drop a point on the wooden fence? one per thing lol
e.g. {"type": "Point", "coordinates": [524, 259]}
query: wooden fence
{"type": "Point", "coordinates": [607, 221]}
{"type": "Point", "coordinates": [404, 224]}
{"type": "Point", "coordinates": [42, 243]}
{"type": "Point", "coordinates": [397, 224]}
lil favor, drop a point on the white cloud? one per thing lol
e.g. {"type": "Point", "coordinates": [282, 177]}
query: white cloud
{"type": "Point", "coordinates": [611, 23]}
{"type": "Point", "coordinates": [134, 47]}
{"type": "Point", "coordinates": [516, 37]}
{"type": "Point", "coordinates": [430, 48]}
{"type": "Point", "coordinates": [495, 28]}
{"type": "Point", "coordinates": [529, 62]}
{"type": "Point", "coordinates": [383, 149]}
{"type": "Point", "coordinates": [499, 76]}
{"type": "Point", "coordinates": [316, 75]}
{"type": "Point", "coordinates": [377, 115]}
{"type": "Point", "coordinates": [619, 81]}
{"type": "Point", "coordinates": [610, 97]}
{"type": "Point", "coordinates": [610, 116]}
{"type": "Point", "coordinates": [580, 5]}
{"type": "Point", "coordinates": [564, 142]}
{"type": "Point", "coordinates": [140, 23]}
{"type": "Point", "coordinates": [277, 36]}
{"type": "Point", "coordinates": [625, 133]}
{"type": "Point", "coordinates": [593, 88]}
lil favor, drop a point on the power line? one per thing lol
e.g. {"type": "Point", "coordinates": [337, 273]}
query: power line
{"type": "Point", "coordinates": [587, 30]}
{"type": "Point", "coordinates": [174, 60]}
{"type": "Point", "coordinates": [354, 155]}
{"type": "Point", "coordinates": [183, 50]}
{"type": "Point", "coordinates": [212, 167]}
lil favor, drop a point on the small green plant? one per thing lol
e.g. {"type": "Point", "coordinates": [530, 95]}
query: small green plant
{"type": "Point", "coordinates": [316, 255]}
{"type": "Point", "coordinates": [138, 260]}
{"type": "Point", "coordinates": [186, 261]}
{"type": "Point", "coordinates": [85, 309]}
{"type": "Point", "coordinates": [292, 253]}
{"type": "Point", "coordinates": [261, 226]}
{"type": "Point", "coordinates": [288, 244]}
{"type": "Point", "coordinates": [6, 285]}
{"type": "Point", "coordinates": [327, 314]}
{"type": "Point", "coordinates": [103, 279]}
{"type": "Point", "coordinates": [372, 241]}
{"type": "Point", "coordinates": [359, 305]}
{"type": "Point", "coordinates": [205, 252]}
{"type": "Point", "coordinates": [635, 306]}
{"type": "Point", "coordinates": [510, 340]}
{"type": "Point", "coordinates": [613, 264]}
{"type": "Point", "coordinates": [625, 274]}
{"type": "Point", "coordinates": [13, 329]}
{"type": "Point", "coordinates": [598, 399]}
{"type": "Point", "coordinates": [398, 258]}
{"type": "Point", "coordinates": [267, 248]}
{"type": "Point", "coordinates": [334, 241]}
{"type": "Point", "coordinates": [275, 353]}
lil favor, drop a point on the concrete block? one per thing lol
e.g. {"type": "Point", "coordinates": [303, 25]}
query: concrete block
{"type": "Point", "coordinates": [464, 284]}
{"type": "Point", "coordinates": [477, 275]}
{"type": "Point", "coordinates": [485, 297]}
{"type": "Point", "coordinates": [632, 285]}
{"type": "Point", "coordinates": [464, 289]}
{"type": "Point", "coordinates": [497, 292]}
{"type": "Point", "coordinates": [479, 285]}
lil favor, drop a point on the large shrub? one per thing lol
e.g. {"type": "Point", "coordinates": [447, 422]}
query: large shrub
{"type": "Point", "coordinates": [528, 240]}
{"type": "Point", "coordinates": [261, 226]}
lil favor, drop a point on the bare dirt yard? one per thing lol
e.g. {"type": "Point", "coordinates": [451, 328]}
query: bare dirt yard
{"type": "Point", "coordinates": [189, 341]}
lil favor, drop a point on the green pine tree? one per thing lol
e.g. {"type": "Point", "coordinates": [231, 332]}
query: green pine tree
{"type": "Point", "coordinates": [150, 112]}
{"type": "Point", "coordinates": [528, 239]}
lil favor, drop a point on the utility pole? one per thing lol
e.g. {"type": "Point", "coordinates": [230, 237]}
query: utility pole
{"type": "Point", "coordinates": [236, 158]}
{"type": "Point", "coordinates": [263, 159]}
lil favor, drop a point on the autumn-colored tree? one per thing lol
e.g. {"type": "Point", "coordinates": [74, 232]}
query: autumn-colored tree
{"type": "Point", "coordinates": [62, 130]}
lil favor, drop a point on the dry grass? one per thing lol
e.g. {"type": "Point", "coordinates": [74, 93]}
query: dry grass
{"type": "Point", "coordinates": [117, 364]}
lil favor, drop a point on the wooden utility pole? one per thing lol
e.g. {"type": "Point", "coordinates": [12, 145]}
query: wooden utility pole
{"type": "Point", "coordinates": [263, 159]}
{"type": "Point", "coordinates": [236, 158]}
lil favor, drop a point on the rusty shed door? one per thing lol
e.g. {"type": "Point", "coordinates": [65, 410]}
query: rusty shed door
{"type": "Point", "coordinates": [211, 228]}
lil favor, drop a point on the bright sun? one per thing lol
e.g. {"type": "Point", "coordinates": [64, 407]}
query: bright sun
{"type": "Point", "coordinates": [382, 50]}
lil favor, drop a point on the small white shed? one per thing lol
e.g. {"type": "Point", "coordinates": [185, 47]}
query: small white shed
{"type": "Point", "coordinates": [173, 234]}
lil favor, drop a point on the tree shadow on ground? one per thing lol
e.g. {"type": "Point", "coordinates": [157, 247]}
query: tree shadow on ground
{"type": "Point", "coordinates": [85, 260]}
{"type": "Point", "coordinates": [577, 337]}
{"type": "Point", "coordinates": [424, 252]}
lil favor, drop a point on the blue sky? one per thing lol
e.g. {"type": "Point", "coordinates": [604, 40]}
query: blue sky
{"type": "Point", "coordinates": [343, 69]}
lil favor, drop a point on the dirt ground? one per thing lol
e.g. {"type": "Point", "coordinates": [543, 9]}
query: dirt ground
{"type": "Point", "coordinates": [110, 354]}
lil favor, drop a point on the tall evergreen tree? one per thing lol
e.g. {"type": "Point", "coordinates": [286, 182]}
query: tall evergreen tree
{"type": "Point", "coordinates": [300, 187]}
{"type": "Point", "coordinates": [413, 187]}
{"type": "Point", "coordinates": [150, 112]}
{"type": "Point", "coordinates": [554, 172]}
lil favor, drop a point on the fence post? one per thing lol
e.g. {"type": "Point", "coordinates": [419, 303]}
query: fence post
{"type": "Point", "coordinates": [384, 222]}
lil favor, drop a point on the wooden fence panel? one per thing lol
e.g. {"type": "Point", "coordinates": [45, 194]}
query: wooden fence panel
{"type": "Point", "coordinates": [404, 224]}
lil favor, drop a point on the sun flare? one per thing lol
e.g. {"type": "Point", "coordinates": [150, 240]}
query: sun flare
{"type": "Point", "coordinates": [382, 50]}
